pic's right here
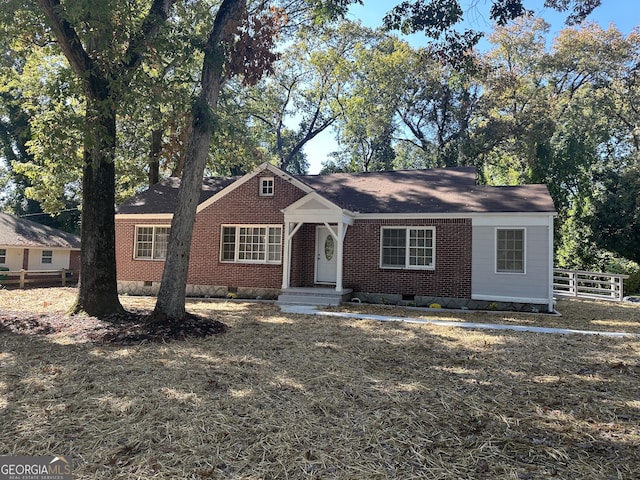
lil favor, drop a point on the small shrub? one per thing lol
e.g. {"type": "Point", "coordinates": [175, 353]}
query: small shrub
{"type": "Point", "coordinates": [435, 305]}
{"type": "Point", "coordinates": [626, 267]}
{"type": "Point", "coordinates": [493, 306]}
{"type": "Point", "coordinates": [632, 284]}
{"type": "Point", "coordinates": [232, 295]}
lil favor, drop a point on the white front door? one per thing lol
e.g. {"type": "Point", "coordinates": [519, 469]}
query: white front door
{"type": "Point", "coordinates": [326, 256]}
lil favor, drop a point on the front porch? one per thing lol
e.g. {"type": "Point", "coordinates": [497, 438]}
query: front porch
{"type": "Point", "coordinates": [313, 251]}
{"type": "Point", "coordinates": [314, 296]}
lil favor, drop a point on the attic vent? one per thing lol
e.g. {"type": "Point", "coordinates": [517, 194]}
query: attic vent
{"type": "Point", "coordinates": [266, 187]}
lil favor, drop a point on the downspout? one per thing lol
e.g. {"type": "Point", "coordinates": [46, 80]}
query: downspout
{"type": "Point", "coordinates": [550, 229]}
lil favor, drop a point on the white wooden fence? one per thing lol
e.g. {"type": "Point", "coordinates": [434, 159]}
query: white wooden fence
{"type": "Point", "coordinates": [577, 283]}
{"type": "Point", "coordinates": [23, 277]}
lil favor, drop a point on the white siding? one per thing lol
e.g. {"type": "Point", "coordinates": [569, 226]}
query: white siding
{"type": "Point", "coordinates": [530, 287]}
{"type": "Point", "coordinates": [13, 259]}
{"type": "Point", "coordinates": [59, 260]}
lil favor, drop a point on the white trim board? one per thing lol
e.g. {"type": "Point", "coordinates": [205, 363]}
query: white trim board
{"type": "Point", "coordinates": [144, 216]}
{"type": "Point", "coordinates": [477, 219]}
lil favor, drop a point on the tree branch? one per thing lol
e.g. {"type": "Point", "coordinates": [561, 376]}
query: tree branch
{"type": "Point", "coordinates": [67, 38]}
{"type": "Point", "coordinates": [157, 15]}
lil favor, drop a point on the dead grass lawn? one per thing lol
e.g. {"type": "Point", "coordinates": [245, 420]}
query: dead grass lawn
{"type": "Point", "coordinates": [300, 397]}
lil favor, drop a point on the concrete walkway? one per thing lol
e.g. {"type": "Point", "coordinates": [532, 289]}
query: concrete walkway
{"type": "Point", "coordinates": [313, 310]}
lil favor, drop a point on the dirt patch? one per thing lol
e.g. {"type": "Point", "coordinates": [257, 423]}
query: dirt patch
{"type": "Point", "coordinates": [123, 329]}
{"type": "Point", "coordinates": [44, 315]}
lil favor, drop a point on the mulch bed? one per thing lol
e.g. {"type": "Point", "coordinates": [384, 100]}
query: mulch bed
{"type": "Point", "coordinates": [128, 328]}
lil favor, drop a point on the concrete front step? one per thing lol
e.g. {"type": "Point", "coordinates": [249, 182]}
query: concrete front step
{"type": "Point", "coordinates": [313, 296]}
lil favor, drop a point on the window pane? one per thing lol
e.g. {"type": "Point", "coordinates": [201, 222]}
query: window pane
{"type": "Point", "coordinates": [144, 245]}
{"type": "Point", "coordinates": [266, 186]}
{"type": "Point", "coordinates": [252, 243]}
{"type": "Point", "coordinates": [275, 244]}
{"type": "Point", "coordinates": [394, 247]}
{"type": "Point", "coordinates": [3, 255]}
{"type": "Point", "coordinates": [228, 244]}
{"type": "Point", "coordinates": [161, 242]}
{"type": "Point", "coordinates": [510, 250]}
{"type": "Point", "coordinates": [47, 256]}
{"type": "Point", "coordinates": [421, 247]}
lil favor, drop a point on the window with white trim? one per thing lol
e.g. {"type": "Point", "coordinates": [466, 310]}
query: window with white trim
{"type": "Point", "coordinates": [251, 243]}
{"type": "Point", "coordinates": [3, 255]}
{"type": "Point", "coordinates": [510, 250]}
{"type": "Point", "coordinates": [151, 242]}
{"type": "Point", "coordinates": [266, 187]}
{"type": "Point", "coordinates": [408, 247]}
{"type": "Point", "coordinates": [47, 257]}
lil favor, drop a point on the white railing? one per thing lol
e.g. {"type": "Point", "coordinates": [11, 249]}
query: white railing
{"type": "Point", "coordinates": [577, 283]}
{"type": "Point", "coordinates": [23, 277]}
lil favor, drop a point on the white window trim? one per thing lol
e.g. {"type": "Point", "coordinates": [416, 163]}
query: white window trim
{"type": "Point", "coordinates": [238, 226]}
{"type": "Point", "coordinates": [49, 257]}
{"type": "Point", "coordinates": [524, 250]}
{"type": "Point", "coordinates": [263, 182]}
{"type": "Point", "coordinates": [153, 242]}
{"type": "Point", "coordinates": [407, 266]}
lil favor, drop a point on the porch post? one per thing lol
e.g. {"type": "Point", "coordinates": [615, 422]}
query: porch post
{"type": "Point", "coordinates": [341, 232]}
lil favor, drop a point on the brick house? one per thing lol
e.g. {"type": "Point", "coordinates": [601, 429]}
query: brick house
{"type": "Point", "coordinates": [413, 236]}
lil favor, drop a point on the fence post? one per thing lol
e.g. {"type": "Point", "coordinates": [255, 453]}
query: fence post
{"type": "Point", "coordinates": [64, 277]}
{"type": "Point", "coordinates": [612, 287]}
{"type": "Point", "coordinates": [23, 273]}
{"type": "Point", "coordinates": [573, 284]}
{"type": "Point", "coordinates": [621, 289]}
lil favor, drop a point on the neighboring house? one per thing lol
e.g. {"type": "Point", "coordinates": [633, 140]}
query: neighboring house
{"type": "Point", "coordinates": [27, 245]}
{"type": "Point", "coordinates": [412, 236]}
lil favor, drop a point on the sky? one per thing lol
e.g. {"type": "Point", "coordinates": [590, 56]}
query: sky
{"type": "Point", "coordinates": [624, 14]}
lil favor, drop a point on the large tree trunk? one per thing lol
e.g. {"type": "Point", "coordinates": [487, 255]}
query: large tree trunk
{"type": "Point", "coordinates": [97, 289]}
{"type": "Point", "coordinates": [171, 297]}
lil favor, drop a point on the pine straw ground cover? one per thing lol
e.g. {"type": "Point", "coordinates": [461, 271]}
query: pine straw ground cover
{"type": "Point", "coordinates": [302, 397]}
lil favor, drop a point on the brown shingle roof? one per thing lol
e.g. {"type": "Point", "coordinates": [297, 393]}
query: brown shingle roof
{"type": "Point", "coordinates": [15, 231]}
{"type": "Point", "coordinates": [435, 191]}
{"type": "Point", "coordinates": [432, 191]}
{"type": "Point", "coordinates": [511, 199]}
{"type": "Point", "coordinates": [162, 197]}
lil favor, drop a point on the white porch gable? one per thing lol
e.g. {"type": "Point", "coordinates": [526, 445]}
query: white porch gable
{"type": "Point", "coordinates": [314, 208]}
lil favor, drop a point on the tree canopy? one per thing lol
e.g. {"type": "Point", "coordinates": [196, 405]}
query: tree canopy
{"type": "Point", "coordinates": [99, 100]}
